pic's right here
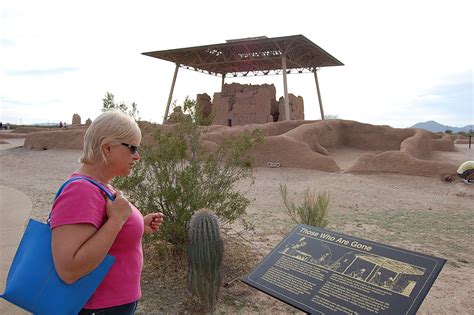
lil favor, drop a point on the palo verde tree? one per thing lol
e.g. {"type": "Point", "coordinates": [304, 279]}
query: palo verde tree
{"type": "Point", "coordinates": [108, 103]}
{"type": "Point", "coordinates": [182, 174]}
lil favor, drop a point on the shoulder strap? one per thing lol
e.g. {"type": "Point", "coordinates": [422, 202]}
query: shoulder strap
{"type": "Point", "coordinates": [72, 179]}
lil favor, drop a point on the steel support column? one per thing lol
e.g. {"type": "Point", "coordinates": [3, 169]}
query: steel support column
{"type": "Point", "coordinates": [222, 84]}
{"type": "Point", "coordinates": [171, 92]}
{"type": "Point", "coordinates": [285, 88]}
{"type": "Point", "coordinates": [319, 94]}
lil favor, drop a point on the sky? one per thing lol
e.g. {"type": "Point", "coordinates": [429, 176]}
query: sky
{"type": "Point", "coordinates": [404, 61]}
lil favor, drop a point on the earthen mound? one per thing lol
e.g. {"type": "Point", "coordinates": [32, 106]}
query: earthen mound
{"type": "Point", "coordinates": [463, 140]}
{"type": "Point", "coordinates": [10, 135]}
{"type": "Point", "coordinates": [57, 139]}
{"type": "Point", "coordinates": [290, 153]}
{"type": "Point", "coordinates": [29, 129]}
{"type": "Point", "coordinates": [149, 131]}
{"type": "Point", "coordinates": [306, 144]}
{"type": "Point", "coordinates": [400, 162]}
{"type": "Point", "coordinates": [444, 143]}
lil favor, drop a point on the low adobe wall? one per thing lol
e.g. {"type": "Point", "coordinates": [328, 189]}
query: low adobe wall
{"type": "Point", "coordinates": [29, 129]}
{"type": "Point", "coordinates": [444, 143]}
{"type": "Point", "coordinates": [407, 151]}
{"type": "Point", "coordinates": [304, 144]}
{"type": "Point", "coordinates": [58, 139]}
{"type": "Point", "coordinates": [400, 162]}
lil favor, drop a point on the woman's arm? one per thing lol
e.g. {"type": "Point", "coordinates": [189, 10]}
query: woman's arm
{"type": "Point", "coordinates": [80, 248]}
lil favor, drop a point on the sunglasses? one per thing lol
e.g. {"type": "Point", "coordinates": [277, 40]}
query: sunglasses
{"type": "Point", "coordinates": [133, 149]}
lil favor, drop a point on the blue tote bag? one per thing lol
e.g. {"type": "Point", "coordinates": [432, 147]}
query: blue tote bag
{"type": "Point", "coordinates": [32, 282]}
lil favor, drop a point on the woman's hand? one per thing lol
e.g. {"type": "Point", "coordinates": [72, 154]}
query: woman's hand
{"type": "Point", "coordinates": [118, 210]}
{"type": "Point", "coordinates": [152, 222]}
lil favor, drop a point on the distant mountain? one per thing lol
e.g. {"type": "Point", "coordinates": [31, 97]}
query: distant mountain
{"type": "Point", "coordinates": [437, 127]}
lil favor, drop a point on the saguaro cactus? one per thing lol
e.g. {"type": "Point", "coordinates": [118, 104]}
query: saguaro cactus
{"type": "Point", "coordinates": [205, 256]}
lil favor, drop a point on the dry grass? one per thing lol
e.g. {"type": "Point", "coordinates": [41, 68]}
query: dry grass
{"type": "Point", "coordinates": [445, 234]}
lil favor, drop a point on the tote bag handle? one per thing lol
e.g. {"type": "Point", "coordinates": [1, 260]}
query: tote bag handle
{"type": "Point", "coordinates": [72, 179]}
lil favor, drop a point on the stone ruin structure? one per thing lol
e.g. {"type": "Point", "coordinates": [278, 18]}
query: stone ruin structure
{"type": "Point", "coordinates": [88, 122]}
{"type": "Point", "coordinates": [76, 120]}
{"type": "Point", "coordinates": [296, 108]}
{"type": "Point", "coordinates": [177, 115]}
{"type": "Point", "coordinates": [205, 104]}
{"type": "Point", "coordinates": [244, 104]}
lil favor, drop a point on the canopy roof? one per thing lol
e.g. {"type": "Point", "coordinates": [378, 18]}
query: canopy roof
{"type": "Point", "coordinates": [254, 56]}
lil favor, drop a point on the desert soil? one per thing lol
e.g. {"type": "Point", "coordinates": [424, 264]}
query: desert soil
{"type": "Point", "coordinates": [422, 214]}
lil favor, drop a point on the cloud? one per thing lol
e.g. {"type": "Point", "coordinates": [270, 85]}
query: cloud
{"type": "Point", "coordinates": [448, 102]}
{"type": "Point", "coordinates": [40, 72]}
{"type": "Point", "coordinates": [5, 101]}
{"type": "Point", "coordinates": [454, 95]}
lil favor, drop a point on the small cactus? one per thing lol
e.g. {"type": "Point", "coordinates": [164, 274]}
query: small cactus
{"type": "Point", "coordinates": [205, 256]}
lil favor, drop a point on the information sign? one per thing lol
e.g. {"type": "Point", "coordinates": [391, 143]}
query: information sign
{"type": "Point", "coordinates": [324, 272]}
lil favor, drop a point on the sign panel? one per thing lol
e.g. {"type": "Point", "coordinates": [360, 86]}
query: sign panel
{"type": "Point", "coordinates": [324, 272]}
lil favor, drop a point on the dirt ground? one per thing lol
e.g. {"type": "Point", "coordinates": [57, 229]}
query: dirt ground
{"type": "Point", "coordinates": [416, 213]}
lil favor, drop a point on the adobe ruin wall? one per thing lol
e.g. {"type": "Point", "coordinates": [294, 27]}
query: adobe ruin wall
{"type": "Point", "coordinates": [246, 104]}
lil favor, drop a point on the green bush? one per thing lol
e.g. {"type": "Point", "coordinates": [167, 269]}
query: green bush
{"type": "Point", "coordinates": [178, 176]}
{"type": "Point", "coordinates": [313, 211]}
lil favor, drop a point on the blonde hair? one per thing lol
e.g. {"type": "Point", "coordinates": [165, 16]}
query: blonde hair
{"type": "Point", "coordinates": [109, 127]}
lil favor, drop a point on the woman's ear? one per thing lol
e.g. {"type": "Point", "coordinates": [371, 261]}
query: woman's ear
{"type": "Point", "coordinates": [106, 149]}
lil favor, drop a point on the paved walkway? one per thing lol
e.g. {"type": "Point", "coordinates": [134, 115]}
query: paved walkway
{"type": "Point", "coordinates": [11, 143]}
{"type": "Point", "coordinates": [15, 208]}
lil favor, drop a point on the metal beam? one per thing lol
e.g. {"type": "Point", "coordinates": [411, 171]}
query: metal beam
{"type": "Point", "coordinates": [171, 92]}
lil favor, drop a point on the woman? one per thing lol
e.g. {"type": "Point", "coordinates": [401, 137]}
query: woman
{"type": "Point", "coordinates": [86, 226]}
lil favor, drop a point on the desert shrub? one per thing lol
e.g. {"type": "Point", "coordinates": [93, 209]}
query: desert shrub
{"type": "Point", "coordinates": [179, 176]}
{"type": "Point", "coordinates": [313, 211]}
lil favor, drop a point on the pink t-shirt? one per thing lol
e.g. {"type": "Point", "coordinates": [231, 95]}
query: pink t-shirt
{"type": "Point", "coordinates": [83, 202]}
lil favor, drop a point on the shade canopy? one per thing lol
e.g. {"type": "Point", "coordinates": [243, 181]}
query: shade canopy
{"type": "Point", "coordinates": [251, 56]}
